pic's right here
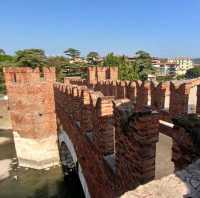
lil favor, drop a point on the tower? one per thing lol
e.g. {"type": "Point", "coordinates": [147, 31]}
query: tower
{"type": "Point", "coordinates": [32, 110]}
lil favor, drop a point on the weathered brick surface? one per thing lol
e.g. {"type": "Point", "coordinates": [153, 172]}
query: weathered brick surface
{"type": "Point", "coordinates": [32, 110]}
{"type": "Point", "coordinates": [186, 140]}
{"type": "Point", "coordinates": [159, 93]}
{"type": "Point", "coordinates": [107, 120]}
{"type": "Point", "coordinates": [90, 155]}
{"type": "Point", "coordinates": [31, 101]}
{"type": "Point", "coordinates": [135, 148]}
{"type": "Point", "coordinates": [128, 136]}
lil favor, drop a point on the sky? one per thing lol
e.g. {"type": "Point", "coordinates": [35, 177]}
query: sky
{"type": "Point", "coordinates": [164, 28]}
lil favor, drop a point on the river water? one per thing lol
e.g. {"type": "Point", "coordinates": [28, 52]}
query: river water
{"type": "Point", "coordinates": [29, 183]}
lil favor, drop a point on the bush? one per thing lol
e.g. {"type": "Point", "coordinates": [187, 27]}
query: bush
{"type": "Point", "coordinates": [164, 78]}
{"type": "Point", "coordinates": [193, 73]}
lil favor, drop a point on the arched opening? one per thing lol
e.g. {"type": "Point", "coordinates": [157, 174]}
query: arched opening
{"type": "Point", "coordinates": [70, 171]}
{"type": "Point", "coordinates": [69, 166]}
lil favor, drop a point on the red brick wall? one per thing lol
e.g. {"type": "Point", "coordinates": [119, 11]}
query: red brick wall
{"type": "Point", "coordinates": [184, 152]}
{"type": "Point", "coordinates": [31, 101]}
{"type": "Point", "coordinates": [115, 128]}
{"type": "Point", "coordinates": [90, 154]}
{"type": "Point", "coordinates": [134, 153]}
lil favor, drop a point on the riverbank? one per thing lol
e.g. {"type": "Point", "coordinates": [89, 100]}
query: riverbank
{"type": "Point", "coordinates": [5, 121]}
{"type": "Point", "coordinates": [18, 182]}
{"type": "Point", "coordinates": [21, 182]}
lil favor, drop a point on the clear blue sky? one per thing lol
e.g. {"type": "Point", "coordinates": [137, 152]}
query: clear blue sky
{"type": "Point", "coordinates": [162, 27]}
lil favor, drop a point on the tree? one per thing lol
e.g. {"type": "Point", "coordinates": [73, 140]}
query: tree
{"type": "Point", "coordinates": [126, 68]}
{"type": "Point", "coordinates": [111, 60]}
{"type": "Point", "coordinates": [31, 58]}
{"type": "Point", "coordinates": [5, 60]}
{"type": "Point", "coordinates": [59, 62]}
{"type": "Point", "coordinates": [72, 53]}
{"type": "Point", "coordinates": [2, 52]}
{"type": "Point", "coordinates": [143, 64]}
{"type": "Point", "coordinates": [93, 58]}
{"type": "Point", "coordinates": [193, 73]}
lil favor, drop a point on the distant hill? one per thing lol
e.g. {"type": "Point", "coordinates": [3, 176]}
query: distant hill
{"type": "Point", "coordinates": [196, 61]}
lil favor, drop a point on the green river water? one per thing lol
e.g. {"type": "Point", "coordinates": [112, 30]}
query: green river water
{"type": "Point", "coordinates": [29, 183]}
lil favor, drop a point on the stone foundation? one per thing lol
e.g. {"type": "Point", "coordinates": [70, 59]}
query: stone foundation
{"type": "Point", "coordinates": [36, 153]}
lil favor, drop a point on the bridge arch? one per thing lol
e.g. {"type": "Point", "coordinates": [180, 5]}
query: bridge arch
{"type": "Point", "coordinates": [69, 159]}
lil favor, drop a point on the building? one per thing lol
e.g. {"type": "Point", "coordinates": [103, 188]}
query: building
{"type": "Point", "coordinates": [184, 63]}
{"type": "Point", "coordinates": [167, 69]}
{"type": "Point", "coordinates": [78, 60]}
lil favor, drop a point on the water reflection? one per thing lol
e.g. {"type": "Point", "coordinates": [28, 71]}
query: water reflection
{"type": "Point", "coordinates": [29, 183]}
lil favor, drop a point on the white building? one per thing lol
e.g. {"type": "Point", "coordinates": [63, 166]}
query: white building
{"type": "Point", "coordinates": [184, 63]}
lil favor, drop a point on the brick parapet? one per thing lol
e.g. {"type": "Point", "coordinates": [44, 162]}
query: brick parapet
{"type": "Point", "coordinates": [170, 96]}
{"type": "Point", "coordinates": [136, 138]}
{"type": "Point", "coordinates": [132, 145]}
{"type": "Point", "coordinates": [106, 113]}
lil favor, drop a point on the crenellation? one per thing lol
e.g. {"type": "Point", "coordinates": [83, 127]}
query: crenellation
{"type": "Point", "coordinates": [114, 125]}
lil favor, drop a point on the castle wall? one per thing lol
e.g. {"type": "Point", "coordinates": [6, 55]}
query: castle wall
{"type": "Point", "coordinates": [113, 125]}
{"type": "Point", "coordinates": [131, 133]}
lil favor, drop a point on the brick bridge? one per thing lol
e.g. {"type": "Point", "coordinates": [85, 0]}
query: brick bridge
{"type": "Point", "coordinates": [106, 129]}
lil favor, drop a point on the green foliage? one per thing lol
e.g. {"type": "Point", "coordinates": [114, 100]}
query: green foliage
{"type": "Point", "coordinates": [111, 60]}
{"type": "Point", "coordinates": [5, 60]}
{"type": "Point", "coordinates": [136, 70]}
{"type": "Point", "coordinates": [193, 73]}
{"type": "Point", "coordinates": [30, 58]}
{"type": "Point", "coordinates": [72, 53]}
{"type": "Point", "coordinates": [164, 78]}
{"type": "Point", "coordinates": [126, 69]}
{"type": "Point", "coordinates": [180, 77]}
{"type": "Point", "coordinates": [93, 58]}
{"type": "Point", "coordinates": [143, 64]}
{"type": "Point", "coordinates": [2, 52]}
{"type": "Point", "coordinates": [59, 62]}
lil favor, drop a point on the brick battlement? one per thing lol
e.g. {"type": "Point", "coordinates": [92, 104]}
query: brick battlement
{"type": "Point", "coordinates": [28, 75]}
{"type": "Point", "coordinates": [177, 97]}
{"type": "Point", "coordinates": [106, 125]}
{"type": "Point", "coordinates": [113, 125]}
{"type": "Point", "coordinates": [119, 120]}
